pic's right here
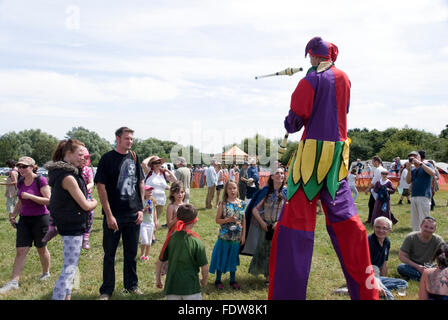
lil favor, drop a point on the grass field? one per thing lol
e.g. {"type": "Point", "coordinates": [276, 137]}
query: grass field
{"type": "Point", "coordinates": [326, 274]}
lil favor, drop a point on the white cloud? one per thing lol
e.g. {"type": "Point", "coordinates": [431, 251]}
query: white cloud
{"type": "Point", "coordinates": [62, 88]}
{"type": "Point", "coordinates": [197, 60]}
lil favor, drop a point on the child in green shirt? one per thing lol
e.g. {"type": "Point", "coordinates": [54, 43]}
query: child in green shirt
{"type": "Point", "coordinates": [185, 252]}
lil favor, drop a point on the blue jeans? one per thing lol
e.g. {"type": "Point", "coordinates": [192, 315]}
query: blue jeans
{"type": "Point", "coordinates": [407, 271]}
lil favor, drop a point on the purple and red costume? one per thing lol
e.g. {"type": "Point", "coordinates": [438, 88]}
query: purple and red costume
{"type": "Point", "coordinates": [320, 103]}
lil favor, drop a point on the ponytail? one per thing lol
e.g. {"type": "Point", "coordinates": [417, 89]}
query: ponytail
{"type": "Point", "coordinates": [64, 146]}
{"type": "Point", "coordinates": [441, 255]}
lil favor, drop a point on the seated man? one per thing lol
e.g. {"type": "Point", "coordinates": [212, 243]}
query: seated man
{"type": "Point", "coordinates": [379, 246]}
{"type": "Point", "coordinates": [418, 249]}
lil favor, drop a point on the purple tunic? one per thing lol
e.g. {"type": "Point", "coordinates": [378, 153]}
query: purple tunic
{"type": "Point", "coordinates": [377, 212]}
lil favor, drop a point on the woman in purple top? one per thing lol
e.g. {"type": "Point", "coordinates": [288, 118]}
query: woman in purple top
{"type": "Point", "coordinates": [383, 188]}
{"type": "Point", "coordinates": [33, 196]}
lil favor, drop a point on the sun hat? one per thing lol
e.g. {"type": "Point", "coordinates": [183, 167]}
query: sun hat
{"type": "Point", "coordinates": [153, 159]}
{"type": "Point", "coordinates": [181, 160]}
{"type": "Point", "coordinates": [28, 161]}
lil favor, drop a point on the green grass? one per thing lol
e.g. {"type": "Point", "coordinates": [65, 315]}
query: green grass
{"type": "Point", "coordinates": [326, 274]}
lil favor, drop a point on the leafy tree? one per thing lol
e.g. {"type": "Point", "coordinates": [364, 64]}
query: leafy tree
{"type": "Point", "coordinates": [444, 133]}
{"type": "Point", "coordinates": [34, 143]}
{"type": "Point", "coordinates": [394, 149]}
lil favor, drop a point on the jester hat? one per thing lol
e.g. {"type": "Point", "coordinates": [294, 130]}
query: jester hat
{"type": "Point", "coordinates": [321, 48]}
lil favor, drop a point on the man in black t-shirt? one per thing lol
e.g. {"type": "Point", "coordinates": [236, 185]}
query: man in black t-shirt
{"type": "Point", "coordinates": [120, 182]}
{"type": "Point", "coordinates": [379, 246]}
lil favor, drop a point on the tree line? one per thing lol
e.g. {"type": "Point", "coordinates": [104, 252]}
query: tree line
{"type": "Point", "coordinates": [388, 144]}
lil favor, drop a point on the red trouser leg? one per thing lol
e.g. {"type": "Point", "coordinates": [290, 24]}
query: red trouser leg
{"type": "Point", "coordinates": [350, 241]}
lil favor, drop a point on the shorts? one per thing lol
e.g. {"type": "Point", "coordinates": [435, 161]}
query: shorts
{"type": "Point", "coordinates": [219, 187]}
{"type": "Point", "coordinates": [146, 232]}
{"type": "Point", "coordinates": [405, 193]}
{"type": "Point", "coordinates": [32, 229]}
{"type": "Point", "coordinates": [10, 204]}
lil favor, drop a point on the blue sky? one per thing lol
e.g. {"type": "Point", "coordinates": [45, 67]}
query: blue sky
{"type": "Point", "coordinates": [184, 70]}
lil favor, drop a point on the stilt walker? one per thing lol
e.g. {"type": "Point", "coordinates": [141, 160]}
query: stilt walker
{"type": "Point", "coordinates": [320, 103]}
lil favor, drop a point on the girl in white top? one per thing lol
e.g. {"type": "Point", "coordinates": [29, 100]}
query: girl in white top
{"type": "Point", "coordinates": [149, 224]}
{"type": "Point", "coordinates": [351, 179]}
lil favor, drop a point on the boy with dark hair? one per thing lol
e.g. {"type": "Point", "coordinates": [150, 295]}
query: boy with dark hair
{"type": "Point", "coordinates": [185, 252]}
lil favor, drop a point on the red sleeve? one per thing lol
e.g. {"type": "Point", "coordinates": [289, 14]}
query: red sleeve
{"type": "Point", "coordinates": [302, 99]}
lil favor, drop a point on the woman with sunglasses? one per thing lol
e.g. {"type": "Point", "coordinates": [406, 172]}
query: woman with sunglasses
{"type": "Point", "coordinates": [158, 178]}
{"type": "Point", "coordinates": [33, 198]}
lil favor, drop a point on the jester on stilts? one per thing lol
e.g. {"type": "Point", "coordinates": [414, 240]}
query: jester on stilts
{"type": "Point", "coordinates": [320, 103]}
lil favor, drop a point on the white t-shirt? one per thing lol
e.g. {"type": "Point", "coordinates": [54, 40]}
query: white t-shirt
{"type": "Point", "coordinates": [232, 174]}
{"type": "Point", "coordinates": [220, 176]}
{"type": "Point", "coordinates": [351, 178]}
{"type": "Point", "coordinates": [159, 184]}
{"type": "Point", "coordinates": [376, 178]}
{"type": "Point", "coordinates": [403, 183]}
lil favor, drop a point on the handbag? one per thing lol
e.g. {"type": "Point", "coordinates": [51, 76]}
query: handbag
{"type": "Point", "coordinates": [270, 232]}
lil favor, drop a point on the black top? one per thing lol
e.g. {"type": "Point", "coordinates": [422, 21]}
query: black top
{"type": "Point", "coordinates": [121, 176]}
{"type": "Point", "coordinates": [378, 253]}
{"type": "Point", "coordinates": [63, 207]}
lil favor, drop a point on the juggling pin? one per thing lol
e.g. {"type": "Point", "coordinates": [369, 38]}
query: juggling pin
{"type": "Point", "coordinates": [282, 147]}
{"type": "Point", "coordinates": [288, 71]}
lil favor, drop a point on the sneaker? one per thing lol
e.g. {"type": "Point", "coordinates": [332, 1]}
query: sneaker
{"type": "Point", "coordinates": [400, 203]}
{"type": "Point", "coordinates": [44, 276]}
{"type": "Point", "coordinates": [86, 244]}
{"type": "Point", "coordinates": [235, 286]}
{"type": "Point", "coordinates": [11, 285]}
{"type": "Point", "coordinates": [219, 286]}
{"type": "Point", "coordinates": [164, 225]}
{"type": "Point", "coordinates": [50, 234]}
{"type": "Point", "coordinates": [135, 291]}
{"type": "Point", "coordinates": [104, 296]}
{"type": "Point", "coordinates": [142, 258]}
{"type": "Point", "coordinates": [341, 291]}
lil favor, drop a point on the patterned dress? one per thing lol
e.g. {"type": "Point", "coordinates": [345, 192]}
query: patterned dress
{"type": "Point", "coordinates": [270, 213]}
{"type": "Point", "coordinates": [225, 256]}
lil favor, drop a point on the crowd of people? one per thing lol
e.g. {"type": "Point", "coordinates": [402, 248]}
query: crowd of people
{"type": "Point", "coordinates": [132, 196]}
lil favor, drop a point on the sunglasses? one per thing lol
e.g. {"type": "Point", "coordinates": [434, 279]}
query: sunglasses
{"type": "Point", "coordinates": [157, 162]}
{"type": "Point", "coordinates": [21, 166]}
